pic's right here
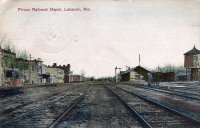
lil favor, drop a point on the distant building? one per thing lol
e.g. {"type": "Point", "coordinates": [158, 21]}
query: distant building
{"type": "Point", "coordinates": [181, 76]}
{"type": "Point", "coordinates": [42, 76]}
{"type": "Point", "coordinates": [163, 76]}
{"type": "Point", "coordinates": [192, 64]}
{"type": "Point", "coordinates": [33, 71]}
{"type": "Point", "coordinates": [74, 78]}
{"type": "Point", "coordinates": [56, 75]}
{"type": "Point", "coordinates": [7, 69]}
{"type": "Point", "coordinates": [135, 73]}
{"type": "Point", "coordinates": [65, 68]}
{"type": "Point", "coordinates": [31, 74]}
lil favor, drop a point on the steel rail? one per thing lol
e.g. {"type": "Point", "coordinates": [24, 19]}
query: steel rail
{"type": "Point", "coordinates": [163, 106]}
{"type": "Point", "coordinates": [32, 102]}
{"type": "Point", "coordinates": [37, 108]}
{"type": "Point", "coordinates": [61, 116]}
{"type": "Point", "coordinates": [174, 93]}
{"type": "Point", "coordinates": [178, 91]}
{"type": "Point", "coordinates": [143, 122]}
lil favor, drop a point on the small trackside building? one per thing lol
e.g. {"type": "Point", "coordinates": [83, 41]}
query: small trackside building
{"type": "Point", "coordinates": [134, 74]}
{"type": "Point", "coordinates": [74, 78]}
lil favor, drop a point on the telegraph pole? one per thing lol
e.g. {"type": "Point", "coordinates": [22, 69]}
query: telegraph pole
{"type": "Point", "coordinates": [116, 74]}
{"type": "Point", "coordinates": [30, 68]}
{"type": "Point", "coordinates": [139, 70]}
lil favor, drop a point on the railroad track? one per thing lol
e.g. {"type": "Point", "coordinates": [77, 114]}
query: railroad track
{"type": "Point", "coordinates": [192, 90]}
{"type": "Point", "coordinates": [81, 115]}
{"type": "Point", "coordinates": [184, 95]}
{"type": "Point", "coordinates": [62, 115]}
{"type": "Point", "coordinates": [4, 112]}
{"type": "Point", "coordinates": [152, 114]}
{"type": "Point", "coordinates": [44, 114]}
{"type": "Point", "coordinates": [182, 87]}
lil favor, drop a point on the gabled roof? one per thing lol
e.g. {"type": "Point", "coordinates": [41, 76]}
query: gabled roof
{"type": "Point", "coordinates": [193, 51]}
{"type": "Point", "coordinates": [127, 71]}
{"type": "Point", "coordinates": [134, 69]}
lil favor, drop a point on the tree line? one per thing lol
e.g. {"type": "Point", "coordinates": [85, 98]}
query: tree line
{"type": "Point", "coordinates": [169, 68]}
{"type": "Point", "coordinates": [14, 58]}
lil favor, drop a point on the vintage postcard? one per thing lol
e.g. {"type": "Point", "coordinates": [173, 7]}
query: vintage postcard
{"type": "Point", "coordinates": [99, 63]}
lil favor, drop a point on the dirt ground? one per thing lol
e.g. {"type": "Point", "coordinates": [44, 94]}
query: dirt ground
{"type": "Point", "coordinates": [99, 109]}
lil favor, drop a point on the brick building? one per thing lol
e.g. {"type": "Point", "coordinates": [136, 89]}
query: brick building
{"type": "Point", "coordinates": [56, 75]}
{"type": "Point", "coordinates": [65, 68]}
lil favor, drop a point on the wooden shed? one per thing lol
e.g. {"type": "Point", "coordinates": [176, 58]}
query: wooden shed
{"type": "Point", "coordinates": [134, 74]}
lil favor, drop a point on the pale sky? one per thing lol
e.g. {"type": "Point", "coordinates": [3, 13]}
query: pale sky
{"type": "Point", "coordinates": [113, 33]}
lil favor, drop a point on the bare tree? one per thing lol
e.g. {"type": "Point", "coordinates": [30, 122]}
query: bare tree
{"type": "Point", "coordinates": [22, 54]}
{"type": "Point", "coordinates": [2, 40]}
{"type": "Point", "coordinates": [82, 73]}
{"type": "Point", "coordinates": [7, 45]}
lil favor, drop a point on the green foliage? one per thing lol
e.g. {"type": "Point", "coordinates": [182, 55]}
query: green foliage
{"type": "Point", "coordinates": [8, 61]}
{"type": "Point", "coordinates": [106, 79]}
{"type": "Point", "coordinates": [21, 64]}
{"type": "Point", "coordinates": [22, 54]}
{"type": "Point", "coordinates": [169, 68]}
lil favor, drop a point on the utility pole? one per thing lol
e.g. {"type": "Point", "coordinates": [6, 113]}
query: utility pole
{"type": "Point", "coordinates": [139, 70]}
{"type": "Point", "coordinates": [116, 74]}
{"type": "Point", "coordinates": [199, 75]}
{"type": "Point", "coordinates": [30, 66]}
{"type": "Point", "coordinates": [158, 75]}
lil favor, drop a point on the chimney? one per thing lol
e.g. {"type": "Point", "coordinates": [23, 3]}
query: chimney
{"type": "Point", "coordinates": [54, 65]}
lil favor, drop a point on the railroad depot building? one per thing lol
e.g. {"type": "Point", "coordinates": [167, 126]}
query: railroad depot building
{"type": "Point", "coordinates": [134, 74]}
{"type": "Point", "coordinates": [192, 64]}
